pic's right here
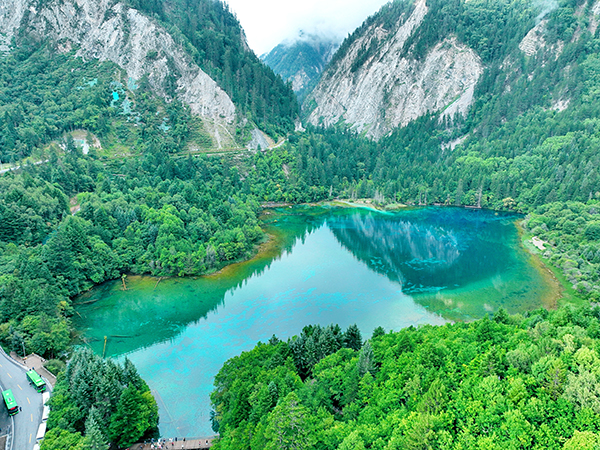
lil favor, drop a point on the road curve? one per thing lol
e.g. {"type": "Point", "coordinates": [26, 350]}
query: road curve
{"type": "Point", "coordinates": [26, 423]}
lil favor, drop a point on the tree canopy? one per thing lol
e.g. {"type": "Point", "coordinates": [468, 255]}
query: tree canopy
{"type": "Point", "coordinates": [524, 381]}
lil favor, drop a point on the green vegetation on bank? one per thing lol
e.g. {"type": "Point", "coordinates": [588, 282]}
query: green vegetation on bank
{"type": "Point", "coordinates": [97, 402]}
{"type": "Point", "coordinates": [526, 381]}
{"type": "Point", "coordinates": [155, 215]}
{"type": "Point", "coordinates": [571, 231]}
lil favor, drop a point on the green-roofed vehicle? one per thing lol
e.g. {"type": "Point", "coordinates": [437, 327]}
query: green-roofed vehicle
{"type": "Point", "coordinates": [36, 381]}
{"type": "Point", "coordinates": [10, 402]}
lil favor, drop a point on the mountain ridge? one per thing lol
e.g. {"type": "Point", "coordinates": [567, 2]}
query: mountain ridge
{"type": "Point", "coordinates": [302, 60]}
{"type": "Point", "coordinates": [376, 87]}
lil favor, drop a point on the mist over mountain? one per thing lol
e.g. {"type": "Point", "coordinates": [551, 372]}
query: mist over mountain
{"type": "Point", "coordinates": [301, 61]}
{"type": "Point", "coordinates": [267, 23]}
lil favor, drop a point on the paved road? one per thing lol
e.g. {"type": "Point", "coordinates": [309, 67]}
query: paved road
{"type": "Point", "coordinates": [12, 376]}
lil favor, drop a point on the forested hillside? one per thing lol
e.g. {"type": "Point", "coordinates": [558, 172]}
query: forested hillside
{"type": "Point", "coordinates": [522, 382]}
{"type": "Point", "coordinates": [45, 94]}
{"type": "Point", "coordinates": [217, 42]}
{"type": "Point", "coordinates": [153, 215]}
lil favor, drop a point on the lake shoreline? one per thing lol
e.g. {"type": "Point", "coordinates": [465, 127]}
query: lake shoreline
{"type": "Point", "coordinates": [552, 273]}
{"type": "Point", "coordinates": [272, 243]}
{"type": "Point", "coordinates": [323, 265]}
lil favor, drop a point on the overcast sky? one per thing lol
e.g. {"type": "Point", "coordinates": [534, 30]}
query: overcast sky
{"type": "Point", "coordinates": [269, 22]}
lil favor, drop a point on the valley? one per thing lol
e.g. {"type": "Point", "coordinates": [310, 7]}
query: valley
{"type": "Point", "coordinates": [173, 241]}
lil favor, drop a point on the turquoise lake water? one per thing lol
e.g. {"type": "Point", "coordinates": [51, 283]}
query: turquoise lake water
{"type": "Point", "coordinates": [324, 265]}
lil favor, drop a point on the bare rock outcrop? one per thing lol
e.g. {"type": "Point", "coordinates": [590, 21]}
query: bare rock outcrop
{"type": "Point", "coordinates": [392, 87]}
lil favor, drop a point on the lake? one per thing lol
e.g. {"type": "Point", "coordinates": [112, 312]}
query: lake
{"type": "Point", "coordinates": [322, 265]}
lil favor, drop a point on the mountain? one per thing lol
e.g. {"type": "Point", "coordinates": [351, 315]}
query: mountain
{"type": "Point", "coordinates": [113, 32]}
{"type": "Point", "coordinates": [147, 44]}
{"type": "Point", "coordinates": [215, 39]}
{"type": "Point", "coordinates": [415, 58]}
{"type": "Point", "coordinates": [301, 61]}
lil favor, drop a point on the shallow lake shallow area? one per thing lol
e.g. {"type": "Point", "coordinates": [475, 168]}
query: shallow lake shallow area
{"type": "Point", "coordinates": [322, 265]}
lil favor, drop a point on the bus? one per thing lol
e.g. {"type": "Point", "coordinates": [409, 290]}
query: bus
{"type": "Point", "coordinates": [36, 381]}
{"type": "Point", "coordinates": [10, 402]}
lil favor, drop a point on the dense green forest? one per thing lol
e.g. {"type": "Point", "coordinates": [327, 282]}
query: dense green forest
{"type": "Point", "coordinates": [511, 382]}
{"type": "Point", "coordinates": [142, 204]}
{"type": "Point", "coordinates": [154, 215]}
{"type": "Point", "coordinates": [97, 402]}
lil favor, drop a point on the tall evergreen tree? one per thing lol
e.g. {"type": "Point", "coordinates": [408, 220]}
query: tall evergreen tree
{"type": "Point", "coordinates": [353, 337]}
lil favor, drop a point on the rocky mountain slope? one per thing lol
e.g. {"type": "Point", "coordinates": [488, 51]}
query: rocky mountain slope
{"type": "Point", "coordinates": [386, 89]}
{"type": "Point", "coordinates": [115, 32]}
{"type": "Point", "coordinates": [397, 67]}
{"type": "Point", "coordinates": [301, 61]}
{"type": "Point", "coordinates": [149, 45]}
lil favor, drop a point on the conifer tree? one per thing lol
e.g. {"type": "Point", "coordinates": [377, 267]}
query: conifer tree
{"type": "Point", "coordinates": [353, 338]}
{"type": "Point", "coordinates": [366, 359]}
{"type": "Point", "coordinates": [287, 427]}
{"type": "Point", "coordinates": [93, 433]}
{"type": "Point", "coordinates": [129, 422]}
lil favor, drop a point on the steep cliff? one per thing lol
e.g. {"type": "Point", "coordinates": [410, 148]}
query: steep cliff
{"type": "Point", "coordinates": [377, 85]}
{"type": "Point", "coordinates": [112, 31]}
{"type": "Point", "coordinates": [217, 43]}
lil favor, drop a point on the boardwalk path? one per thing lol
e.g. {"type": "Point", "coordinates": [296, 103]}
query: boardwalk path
{"type": "Point", "coordinates": [188, 444]}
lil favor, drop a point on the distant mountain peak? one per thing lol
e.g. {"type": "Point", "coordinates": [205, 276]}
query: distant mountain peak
{"type": "Point", "coordinates": [302, 59]}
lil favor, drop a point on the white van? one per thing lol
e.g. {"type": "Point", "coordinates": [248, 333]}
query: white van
{"type": "Point", "coordinates": [45, 413]}
{"type": "Point", "coordinates": [41, 432]}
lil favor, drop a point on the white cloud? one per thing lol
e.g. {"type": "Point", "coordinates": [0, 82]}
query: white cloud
{"type": "Point", "coordinates": [269, 22]}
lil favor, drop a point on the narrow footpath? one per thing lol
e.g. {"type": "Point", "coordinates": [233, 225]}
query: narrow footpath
{"type": "Point", "coordinates": [168, 444]}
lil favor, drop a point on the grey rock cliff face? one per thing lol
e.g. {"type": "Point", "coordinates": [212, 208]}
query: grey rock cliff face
{"type": "Point", "coordinates": [108, 30]}
{"type": "Point", "coordinates": [388, 90]}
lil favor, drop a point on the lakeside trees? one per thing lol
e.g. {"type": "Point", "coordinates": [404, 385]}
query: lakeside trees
{"type": "Point", "coordinates": [154, 215]}
{"type": "Point", "coordinates": [96, 402]}
{"type": "Point", "coordinates": [524, 381]}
